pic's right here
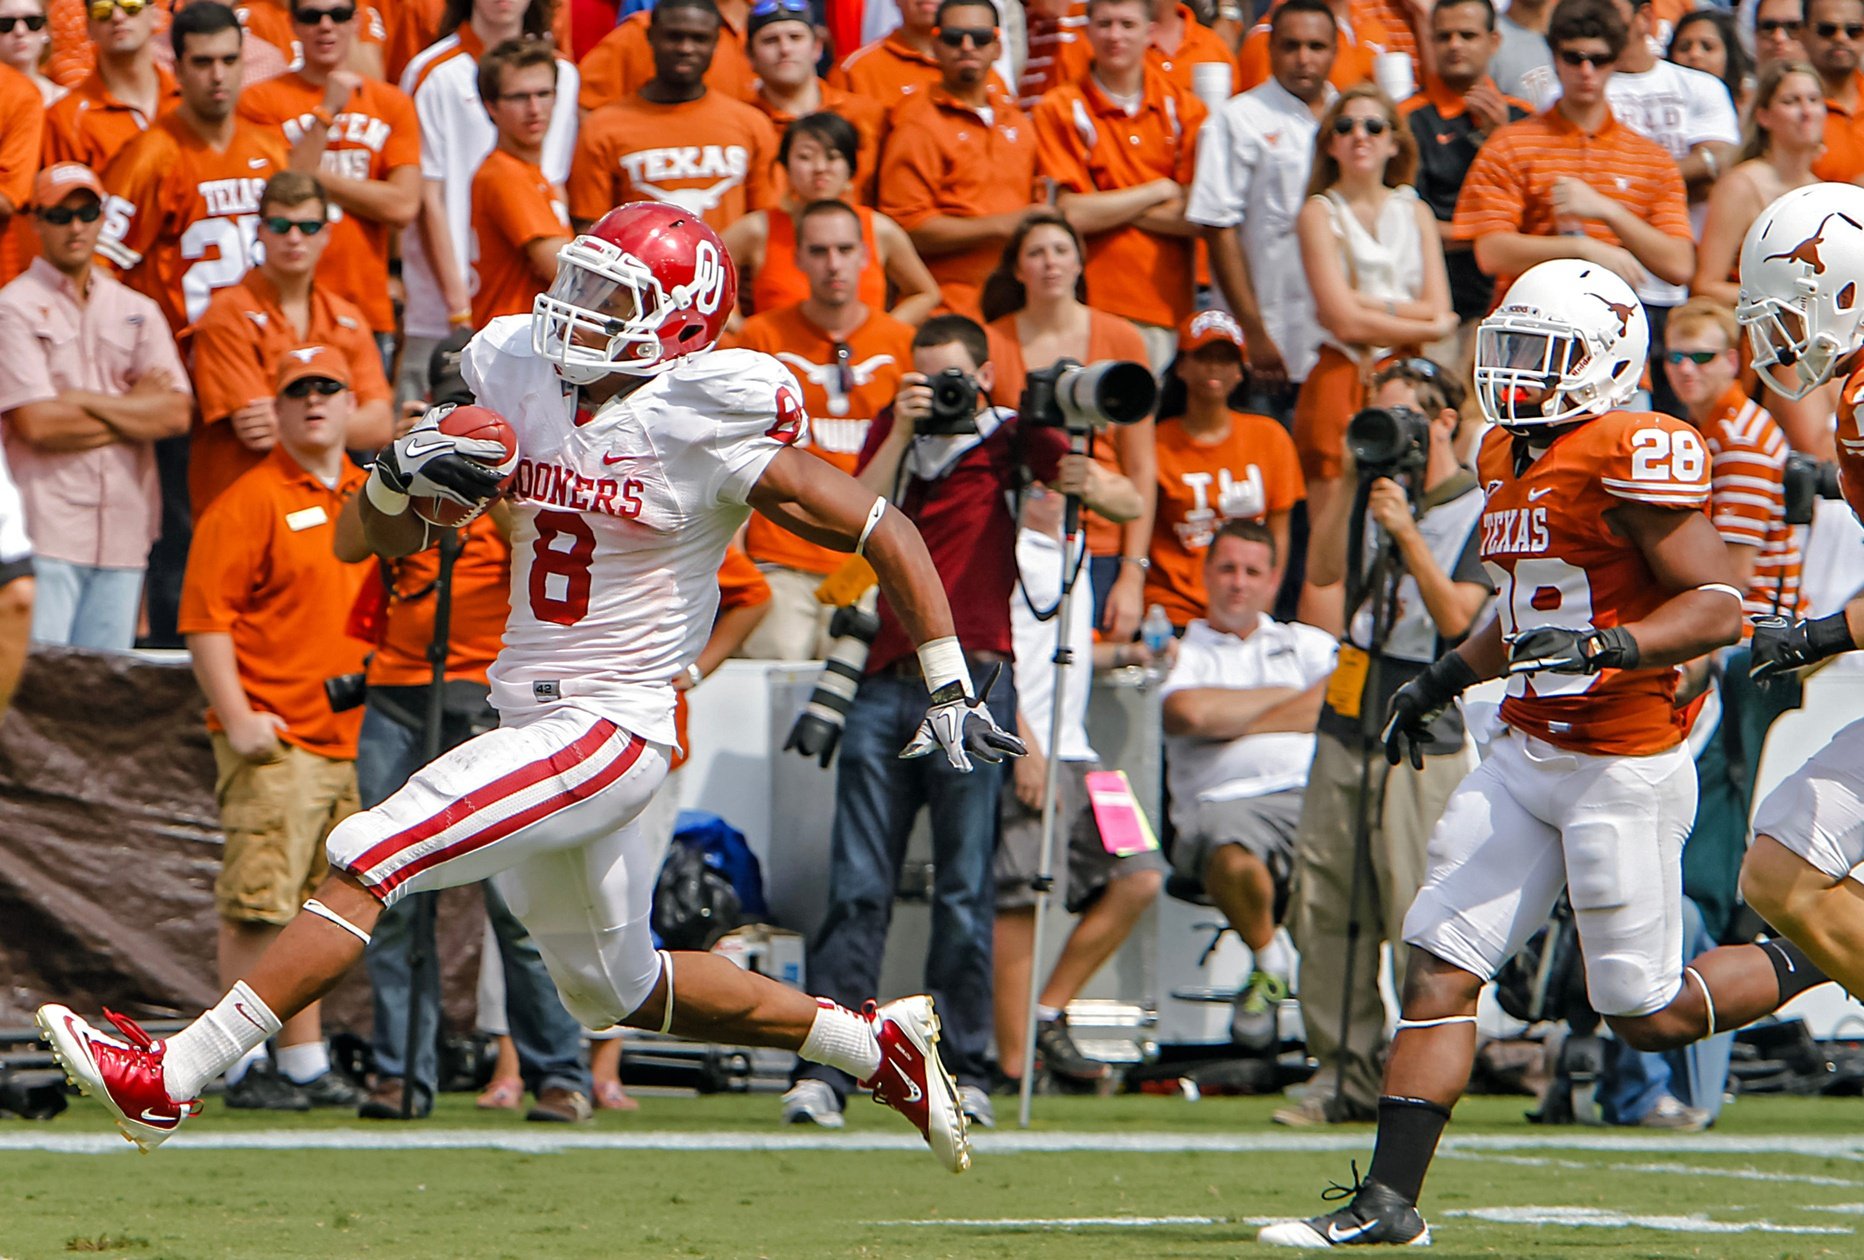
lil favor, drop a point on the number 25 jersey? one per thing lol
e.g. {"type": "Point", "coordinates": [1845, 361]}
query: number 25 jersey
{"type": "Point", "coordinates": [621, 519]}
{"type": "Point", "coordinates": [1549, 544]}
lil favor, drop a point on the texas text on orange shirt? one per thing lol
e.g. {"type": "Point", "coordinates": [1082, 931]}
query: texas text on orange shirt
{"type": "Point", "coordinates": [513, 204]}
{"type": "Point", "coordinates": [476, 625]}
{"type": "Point", "coordinates": [181, 217]}
{"type": "Point", "coordinates": [90, 126]}
{"type": "Point", "coordinates": [780, 282]}
{"type": "Point", "coordinates": [740, 585]}
{"type": "Point", "coordinates": [1200, 46]}
{"type": "Point", "coordinates": [1547, 537]}
{"type": "Point", "coordinates": [235, 348]}
{"type": "Point", "coordinates": [867, 117]}
{"type": "Point", "coordinates": [261, 569]}
{"type": "Point", "coordinates": [1747, 502]}
{"type": "Point", "coordinates": [1086, 142]}
{"type": "Point", "coordinates": [22, 131]}
{"type": "Point", "coordinates": [845, 385]}
{"type": "Point", "coordinates": [712, 156]}
{"type": "Point", "coordinates": [942, 158]}
{"type": "Point", "coordinates": [1251, 473]}
{"type": "Point", "coordinates": [375, 133]}
{"type": "Point", "coordinates": [616, 68]}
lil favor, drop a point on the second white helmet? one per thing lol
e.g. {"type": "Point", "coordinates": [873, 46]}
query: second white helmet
{"type": "Point", "coordinates": [1569, 341]}
{"type": "Point", "coordinates": [1800, 268]}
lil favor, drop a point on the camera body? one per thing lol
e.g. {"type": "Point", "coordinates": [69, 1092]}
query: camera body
{"type": "Point", "coordinates": [346, 691]}
{"type": "Point", "coordinates": [1389, 441]}
{"type": "Point", "coordinates": [1066, 395]}
{"type": "Point", "coordinates": [1804, 480]}
{"type": "Point", "coordinates": [954, 404]}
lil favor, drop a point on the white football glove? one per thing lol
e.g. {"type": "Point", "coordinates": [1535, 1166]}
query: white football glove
{"type": "Point", "coordinates": [428, 463]}
{"type": "Point", "coordinates": [963, 727]}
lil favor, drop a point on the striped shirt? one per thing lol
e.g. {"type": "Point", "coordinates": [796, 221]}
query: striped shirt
{"type": "Point", "coordinates": [1747, 500]}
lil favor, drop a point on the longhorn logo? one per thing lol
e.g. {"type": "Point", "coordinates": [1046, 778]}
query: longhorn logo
{"type": "Point", "coordinates": [1622, 311]}
{"type": "Point", "coordinates": [1807, 251]}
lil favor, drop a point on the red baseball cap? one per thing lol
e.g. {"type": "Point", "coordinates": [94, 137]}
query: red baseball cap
{"type": "Point", "coordinates": [1207, 328]}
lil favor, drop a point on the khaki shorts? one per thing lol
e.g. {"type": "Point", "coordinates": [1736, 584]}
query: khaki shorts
{"type": "Point", "coordinates": [275, 815]}
{"type": "Point", "coordinates": [1082, 867]}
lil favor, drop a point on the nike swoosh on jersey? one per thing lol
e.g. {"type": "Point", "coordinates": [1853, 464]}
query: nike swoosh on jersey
{"type": "Point", "coordinates": [612, 458]}
{"type": "Point", "coordinates": [1534, 496]}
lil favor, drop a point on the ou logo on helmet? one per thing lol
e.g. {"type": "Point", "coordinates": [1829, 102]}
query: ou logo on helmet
{"type": "Point", "coordinates": [707, 289]}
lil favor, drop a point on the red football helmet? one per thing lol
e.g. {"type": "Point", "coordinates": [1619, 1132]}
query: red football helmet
{"type": "Point", "coordinates": [646, 285]}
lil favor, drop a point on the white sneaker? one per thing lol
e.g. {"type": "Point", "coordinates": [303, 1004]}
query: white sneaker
{"type": "Point", "coordinates": [812, 1102]}
{"type": "Point", "coordinates": [975, 1104]}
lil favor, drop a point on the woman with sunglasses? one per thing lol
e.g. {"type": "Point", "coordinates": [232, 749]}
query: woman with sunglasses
{"type": "Point", "coordinates": [24, 39]}
{"type": "Point", "coordinates": [818, 155]}
{"type": "Point", "coordinates": [1705, 40]}
{"type": "Point", "coordinates": [1375, 262]}
{"type": "Point", "coordinates": [1036, 304]}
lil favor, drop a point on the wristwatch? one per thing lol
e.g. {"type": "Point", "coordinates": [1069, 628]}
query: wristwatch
{"type": "Point", "coordinates": [1138, 562]}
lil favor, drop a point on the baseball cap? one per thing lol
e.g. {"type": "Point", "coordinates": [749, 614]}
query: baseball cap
{"type": "Point", "coordinates": [305, 362]}
{"type": "Point", "coordinates": [1207, 328]}
{"type": "Point", "coordinates": [60, 180]}
{"type": "Point", "coordinates": [767, 12]}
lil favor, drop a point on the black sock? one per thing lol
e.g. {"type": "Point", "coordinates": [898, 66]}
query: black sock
{"type": "Point", "coordinates": [1795, 972]}
{"type": "Point", "coordinates": [1408, 1133]}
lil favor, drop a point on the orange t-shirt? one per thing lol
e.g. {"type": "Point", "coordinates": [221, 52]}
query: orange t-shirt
{"type": "Point", "coordinates": [1108, 337]}
{"type": "Point", "coordinates": [261, 569]}
{"type": "Point", "coordinates": [376, 133]}
{"type": "Point", "coordinates": [616, 68]}
{"type": "Point", "coordinates": [1747, 501]}
{"type": "Point", "coordinates": [90, 126]}
{"type": "Point", "coordinates": [1548, 539]}
{"type": "Point", "coordinates": [868, 118]}
{"type": "Point", "coordinates": [713, 156]}
{"type": "Point", "coordinates": [1361, 41]}
{"type": "Point", "coordinates": [181, 217]}
{"type": "Point", "coordinates": [1843, 158]}
{"type": "Point", "coordinates": [513, 204]}
{"type": "Point", "coordinates": [740, 585]}
{"type": "Point", "coordinates": [1086, 142]}
{"type": "Point", "coordinates": [476, 624]}
{"type": "Point", "coordinates": [22, 134]}
{"type": "Point", "coordinates": [1200, 46]}
{"type": "Point", "coordinates": [1509, 187]}
{"type": "Point", "coordinates": [411, 26]}
{"type": "Point", "coordinates": [1250, 473]}
{"type": "Point", "coordinates": [780, 282]}
{"type": "Point", "coordinates": [844, 386]}
{"type": "Point", "coordinates": [235, 348]}
{"type": "Point", "coordinates": [942, 158]}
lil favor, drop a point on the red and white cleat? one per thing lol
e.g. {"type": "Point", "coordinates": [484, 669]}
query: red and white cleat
{"type": "Point", "coordinates": [913, 1082]}
{"type": "Point", "coordinates": [126, 1077]}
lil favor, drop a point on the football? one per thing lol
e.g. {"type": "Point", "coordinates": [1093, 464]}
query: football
{"type": "Point", "coordinates": [470, 422]}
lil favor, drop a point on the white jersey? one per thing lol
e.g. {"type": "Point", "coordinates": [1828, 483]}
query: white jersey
{"type": "Point", "coordinates": [621, 523]}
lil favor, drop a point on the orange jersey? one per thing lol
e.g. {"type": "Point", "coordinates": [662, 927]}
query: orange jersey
{"type": "Point", "coordinates": [713, 156]}
{"type": "Point", "coordinates": [513, 204]}
{"type": "Point", "coordinates": [90, 126]}
{"type": "Point", "coordinates": [22, 134]}
{"type": "Point", "coordinates": [235, 348]}
{"type": "Point", "coordinates": [1851, 443]}
{"type": "Point", "coordinates": [1200, 46]}
{"type": "Point", "coordinates": [181, 217]}
{"type": "Point", "coordinates": [868, 117]}
{"type": "Point", "coordinates": [1548, 543]}
{"type": "Point", "coordinates": [740, 585]}
{"type": "Point", "coordinates": [1250, 473]}
{"type": "Point", "coordinates": [942, 158]}
{"type": "Point", "coordinates": [844, 384]}
{"type": "Point", "coordinates": [616, 68]}
{"type": "Point", "coordinates": [1747, 502]}
{"type": "Point", "coordinates": [1086, 142]}
{"type": "Point", "coordinates": [376, 133]}
{"type": "Point", "coordinates": [779, 282]}
{"type": "Point", "coordinates": [476, 628]}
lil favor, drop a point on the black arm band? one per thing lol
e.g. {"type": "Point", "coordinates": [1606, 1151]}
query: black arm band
{"type": "Point", "coordinates": [1828, 636]}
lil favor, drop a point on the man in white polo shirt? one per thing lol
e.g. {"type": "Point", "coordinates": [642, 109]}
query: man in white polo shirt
{"type": "Point", "coordinates": [1239, 712]}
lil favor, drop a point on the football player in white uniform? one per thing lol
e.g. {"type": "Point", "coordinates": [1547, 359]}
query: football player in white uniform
{"type": "Point", "coordinates": [642, 451]}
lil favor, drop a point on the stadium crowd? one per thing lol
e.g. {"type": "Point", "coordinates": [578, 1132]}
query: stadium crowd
{"type": "Point", "coordinates": [236, 245]}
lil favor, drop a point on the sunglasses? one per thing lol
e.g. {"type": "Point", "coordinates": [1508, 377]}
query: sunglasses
{"type": "Point", "coordinates": [764, 8]}
{"type": "Point", "coordinates": [1409, 365]}
{"type": "Point", "coordinates": [321, 385]}
{"type": "Point", "coordinates": [1344, 126]}
{"type": "Point", "coordinates": [1831, 30]}
{"type": "Point", "coordinates": [33, 22]}
{"type": "Point", "coordinates": [315, 17]}
{"type": "Point", "coordinates": [1598, 60]}
{"type": "Point", "coordinates": [954, 36]}
{"type": "Point", "coordinates": [1773, 26]}
{"type": "Point", "coordinates": [101, 9]}
{"type": "Point", "coordinates": [279, 227]}
{"type": "Point", "coordinates": [61, 216]}
{"type": "Point", "coordinates": [1701, 358]}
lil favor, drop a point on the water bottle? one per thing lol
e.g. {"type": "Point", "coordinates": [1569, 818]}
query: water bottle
{"type": "Point", "coordinates": [1155, 633]}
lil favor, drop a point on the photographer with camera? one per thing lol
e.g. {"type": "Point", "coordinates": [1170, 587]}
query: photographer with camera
{"type": "Point", "coordinates": [950, 461]}
{"type": "Point", "coordinates": [1406, 545]}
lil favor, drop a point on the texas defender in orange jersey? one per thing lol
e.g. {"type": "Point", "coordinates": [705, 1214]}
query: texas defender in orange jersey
{"type": "Point", "coordinates": [183, 205]}
{"type": "Point", "coordinates": [1609, 575]}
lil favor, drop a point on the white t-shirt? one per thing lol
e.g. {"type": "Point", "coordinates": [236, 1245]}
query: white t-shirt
{"type": "Point", "coordinates": [1276, 654]}
{"type": "Point", "coordinates": [1038, 560]}
{"type": "Point", "coordinates": [620, 524]}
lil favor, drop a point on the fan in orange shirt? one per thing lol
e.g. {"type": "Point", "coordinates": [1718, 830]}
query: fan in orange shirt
{"type": "Point", "coordinates": [519, 219]}
{"type": "Point", "coordinates": [785, 49]}
{"type": "Point", "coordinates": [623, 62]}
{"type": "Point", "coordinates": [1177, 45]}
{"type": "Point", "coordinates": [74, 56]}
{"type": "Point", "coordinates": [22, 129]}
{"type": "Point", "coordinates": [675, 140]}
{"type": "Point", "coordinates": [899, 63]}
{"type": "Point", "coordinates": [1363, 36]}
{"type": "Point", "coordinates": [115, 102]}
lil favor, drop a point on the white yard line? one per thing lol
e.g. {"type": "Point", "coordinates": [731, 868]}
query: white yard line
{"type": "Point", "coordinates": [1062, 1222]}
{"type": "Point", "coordinates": [1664, 1169]}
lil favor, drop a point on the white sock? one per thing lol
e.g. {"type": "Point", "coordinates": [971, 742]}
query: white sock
{"type": "Point", "coordinates": [216, 1041]}
{"type": "Point", "coordinates": [1045, 1013]}
{"type": "Point", "coordinates": [841, 1039]}
{"type": "Point", "coordinates": [247, 1061]}
{"type": "Point", "coordinates": [304, 1063]}
{"type": "Point", "coordinates": [1273, 958]}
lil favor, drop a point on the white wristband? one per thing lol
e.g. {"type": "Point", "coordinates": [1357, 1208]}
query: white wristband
{"type": "Point", "coordinates": [942, 662]}
{"type": "Point", "coordinates": [873, 518]}
{"type": "Point", "coordinates": [693, 676]}
{"type": "Point", "coordinates": [387, 500]}
{"type": "Point", "coordinates": [1722, 587]}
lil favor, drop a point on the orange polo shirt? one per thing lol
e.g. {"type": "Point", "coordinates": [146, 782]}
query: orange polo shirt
{"type": "Point", "coordinates": [942, 158]}
{"type": "Point", "coordinates": [868, 118]}
{"type": "Point", "coordinates": [616, 68]}
{"type": "Point", "coordinates": [886, 70]}
{"type": "Point", "coordinates": [513, 204]}
{"type": "Point", "coordinates": [261, 569]}
{"type": "Point", "coordinates": [1200, 46]}
{"type": "Point", "coordinates": [1843, 158]}
{"type": "Point", "coordinates": [1363, 37]}
{"type": "Point", "coordinates": [476, 627]}
{"type": "Point", "coordinates": [712, 156]}
{"type": "Point", "coordinates": [1086, 142]}
{"type": "Point", "coordinates": [235, 350]}
{"type": "Point", "coordinates": [90, 126]}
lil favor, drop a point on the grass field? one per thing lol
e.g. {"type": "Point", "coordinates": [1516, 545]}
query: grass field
{"type": "Point", "coordinates": [1134, 1178]}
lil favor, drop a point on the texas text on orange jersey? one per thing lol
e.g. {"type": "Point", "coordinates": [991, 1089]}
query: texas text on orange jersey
{"type": "Point", "coordinates": [1548, 541]}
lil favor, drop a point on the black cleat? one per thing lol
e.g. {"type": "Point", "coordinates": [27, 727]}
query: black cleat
{"type": "Point", "coordinates": [1377, 1216]}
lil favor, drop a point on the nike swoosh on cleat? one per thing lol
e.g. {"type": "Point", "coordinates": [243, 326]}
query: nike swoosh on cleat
{"type": "Point", "coordinates": [1336, 1235]}
{"type": "Point", "coordinates": [151, 1116]}
{"type": "Point", "coordinates": [914, 1093]}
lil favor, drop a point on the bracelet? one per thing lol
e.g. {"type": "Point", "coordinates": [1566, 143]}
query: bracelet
{"type": "Point", "coordinates": [460, 319]}
{"type": "Point", "coordinates": [942, 662]}
{"type": "Point", "coordinates": [693, 676]}
{"type": "Point", "coordinates": [1709, 160]}
{"type": "Point", "coordinates": [1138, 562]}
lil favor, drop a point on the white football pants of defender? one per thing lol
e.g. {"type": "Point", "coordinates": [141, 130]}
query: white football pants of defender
{"type": "Point", "coordinates": [1534, 818]}
{"type": "Point", "coordinates": [545, 808]}
{"type": "Point", "coordinates": [1817, 811]}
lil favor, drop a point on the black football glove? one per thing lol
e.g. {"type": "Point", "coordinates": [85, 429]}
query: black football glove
{"type": "Point", "coordinates": [430, 464]}
{"type": "Point", "coordinates": [1782, 645]}
{"type": "Point", "coordinates": [963, 727]}
{"type": "Point", "coordinates": [1416, 705]}
{"type": "Point", "coordinates": [1562, 651]}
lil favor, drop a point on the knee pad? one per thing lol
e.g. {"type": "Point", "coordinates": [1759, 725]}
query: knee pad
{"type": "Point", "coordinates": [1625, 985]}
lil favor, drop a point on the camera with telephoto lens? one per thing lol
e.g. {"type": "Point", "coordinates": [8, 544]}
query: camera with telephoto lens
{"type": "Point", "coordinates": [1388, 441]}
{"type": "Point", "coordinates": [345, 692]}
{"type": "Point", "coordinates": [818, 726]}
{"type": "Point", "coordinates": [1069, 396]}
{"type": "Point", "coordinates": [1804, 480]}
{"type": "Point", "coordinates": [954, 404]}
